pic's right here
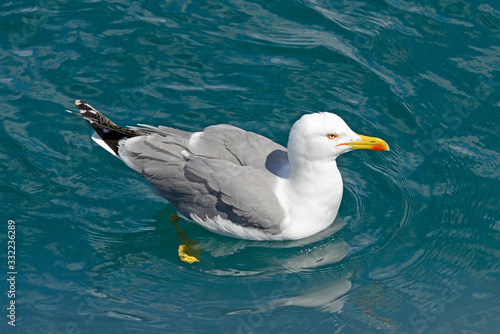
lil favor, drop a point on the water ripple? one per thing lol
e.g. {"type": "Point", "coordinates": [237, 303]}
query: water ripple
{"type": "Point", "coordinates": [414, 246]}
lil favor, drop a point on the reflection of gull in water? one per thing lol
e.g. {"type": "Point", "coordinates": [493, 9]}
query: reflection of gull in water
{"type": "Point", "coordinates": [324, 289]}
{"type": "Point", "coordinates": [328, 297]}
{"type": "Point", "coordinates": [325, 293]}
{"type": "Point", "coordinates": [320, 256]}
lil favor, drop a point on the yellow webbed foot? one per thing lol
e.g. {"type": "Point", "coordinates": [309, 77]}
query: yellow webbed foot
{"type": "Point", "coordinates": [189, 251]}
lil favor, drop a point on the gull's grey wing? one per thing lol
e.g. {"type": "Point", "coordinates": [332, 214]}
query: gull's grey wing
{"type": "Point", "coordinates": [244, 194]}
{"type": "Point", "coordinates": [229, 143]}
{"type": "Point", "coordinates": [204, 186]}
{"type": "Point", "coordinates": [161, 130]}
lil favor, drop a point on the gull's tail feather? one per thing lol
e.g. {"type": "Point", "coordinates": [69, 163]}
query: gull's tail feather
{"type": "Point", "coordinates": [107, 134]}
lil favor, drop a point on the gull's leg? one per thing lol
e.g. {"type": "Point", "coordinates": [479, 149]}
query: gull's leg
{"type": "Point", "coordinates": [189, 251]}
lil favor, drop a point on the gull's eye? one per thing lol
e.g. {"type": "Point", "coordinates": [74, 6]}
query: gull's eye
{"type": "Point", "coordinates": [331, 136]}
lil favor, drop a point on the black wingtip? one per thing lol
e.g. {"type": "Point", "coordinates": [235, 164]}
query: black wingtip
{"type": "Point", "coordinates": [84, 106]}
{"type": "Point", "coordinates": [91, 114]}
{"type": "Point", "coordinates": [108, 131]}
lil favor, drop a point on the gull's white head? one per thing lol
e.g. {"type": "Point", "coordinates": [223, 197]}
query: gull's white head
{"type": "Point", "coordinates": [324, 136]}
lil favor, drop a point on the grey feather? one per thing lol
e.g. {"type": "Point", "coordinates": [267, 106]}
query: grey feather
{"type": "Point", "coordinates": [233, 144]}
{"type": "Point", "coordinates": [224, 174]}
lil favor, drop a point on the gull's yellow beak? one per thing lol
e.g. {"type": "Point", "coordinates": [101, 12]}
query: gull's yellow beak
{"type": "Point", "coordinates": [369, 143]}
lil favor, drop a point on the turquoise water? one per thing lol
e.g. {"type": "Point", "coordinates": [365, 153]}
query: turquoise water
{"type": "Point", "coordinates": [415, 248]}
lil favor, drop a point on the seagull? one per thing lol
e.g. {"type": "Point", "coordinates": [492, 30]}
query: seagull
{"type": "Point", "coordinates": [239, 183]}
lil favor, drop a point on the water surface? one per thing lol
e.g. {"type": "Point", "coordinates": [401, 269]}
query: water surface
{"type": "Point", "coordinates": [415, 246]}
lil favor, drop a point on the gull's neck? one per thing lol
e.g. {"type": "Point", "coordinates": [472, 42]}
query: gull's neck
{"type": "Point", "coordinates": [310, 195]}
